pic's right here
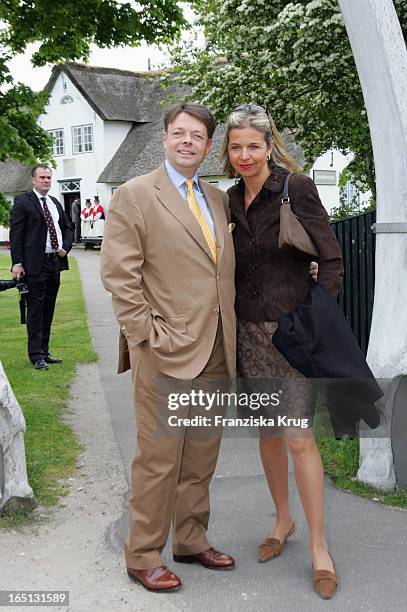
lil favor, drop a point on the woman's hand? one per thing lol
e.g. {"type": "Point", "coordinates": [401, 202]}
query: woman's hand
{"type": "Point", "coordinates": [313, 270]}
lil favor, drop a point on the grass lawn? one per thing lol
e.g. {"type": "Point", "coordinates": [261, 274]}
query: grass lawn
{"type": "Point", "coordinates": [341, 462]}
{"type": "Point", "coordinates": [51, 446]}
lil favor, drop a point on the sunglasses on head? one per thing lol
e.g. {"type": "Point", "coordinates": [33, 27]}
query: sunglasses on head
{"type": "Point", "coordinates": [250, 107]}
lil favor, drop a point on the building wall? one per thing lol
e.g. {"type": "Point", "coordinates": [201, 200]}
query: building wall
{"type": "Point", "coordinates": [220, 181]}
{"type": "Point", "coordinates": [4, 234]}
{"type": "Point", "coordinates": [334, 162]}
{"type": "Point", "coordinates": [84, 167]}
{"type": "Point", "coordinates": [4, 231]}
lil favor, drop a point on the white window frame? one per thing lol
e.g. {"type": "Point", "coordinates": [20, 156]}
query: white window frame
{"type": "Point", "coordinates": [58, 142]}
{"type": "Point", "coordinates": [81, 142]}
{"type": "Point", "coordinates": [351, 193]}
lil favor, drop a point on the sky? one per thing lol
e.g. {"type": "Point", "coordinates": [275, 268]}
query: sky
{"type": "Point", "coordinates": [125, 58]}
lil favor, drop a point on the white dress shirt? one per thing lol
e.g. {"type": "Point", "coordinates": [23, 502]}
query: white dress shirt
{"type": "Point", "coordinates": [55, 217]}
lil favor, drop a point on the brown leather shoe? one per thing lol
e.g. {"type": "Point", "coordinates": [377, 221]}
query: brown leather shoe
{"type": "Point", "coordinates": [155, 579]}
{"type": "Point", "coordinates": [325, 583]}
{"type": "Point", "coordinates": [210, 558]}
{"type": "Point", "coordinates": [272, 547]}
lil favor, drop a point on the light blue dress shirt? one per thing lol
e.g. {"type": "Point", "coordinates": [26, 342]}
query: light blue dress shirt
{"type": "Point", "coordinates": [179, 182]}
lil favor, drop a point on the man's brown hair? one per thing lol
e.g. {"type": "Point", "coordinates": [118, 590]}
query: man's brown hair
{"type": "Point", "coordinates": [35, 168]}
{"type": "Point", "coordinates": [198, 111]}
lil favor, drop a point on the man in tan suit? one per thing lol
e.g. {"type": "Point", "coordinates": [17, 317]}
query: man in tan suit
{"type": "Point", "coordinates": [168, 261]}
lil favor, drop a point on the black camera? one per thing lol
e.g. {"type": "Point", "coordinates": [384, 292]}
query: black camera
{"type": "Point", "coordinates": [19, 284]}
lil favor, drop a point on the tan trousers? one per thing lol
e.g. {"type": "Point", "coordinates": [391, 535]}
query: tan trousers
{"type": "Point", "coordinates": [172, 467]}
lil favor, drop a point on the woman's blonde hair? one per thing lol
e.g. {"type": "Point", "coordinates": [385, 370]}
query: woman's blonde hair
{"type": "Point", "coordinates": [262, 122]}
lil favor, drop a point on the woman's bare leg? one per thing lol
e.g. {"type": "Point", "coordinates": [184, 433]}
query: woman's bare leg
{"type": "Point", "coordinates": [274, 456]}
{"type": "Point", "coordinates": [309, 476]}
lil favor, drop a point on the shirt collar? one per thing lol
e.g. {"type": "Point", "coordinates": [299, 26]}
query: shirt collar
{"type": "Point", "coordinates": [39, 195]}
{"type": "Point", "coordinates": [177, 178]}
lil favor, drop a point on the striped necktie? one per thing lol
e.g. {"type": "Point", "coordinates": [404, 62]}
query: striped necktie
{"type": "Point", "coordinates": [200, 217]}
{"type": "Point", "coordinates": [51, 227]}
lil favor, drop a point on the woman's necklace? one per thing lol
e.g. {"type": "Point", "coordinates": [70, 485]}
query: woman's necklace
{"type": "Point", "coordinates": [247, 200]}
{"type": "Point", "coordinates": [249, 197]}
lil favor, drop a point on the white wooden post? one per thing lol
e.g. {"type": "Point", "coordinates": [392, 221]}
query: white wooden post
{"type": "Point", "coordinates": [381, 58]}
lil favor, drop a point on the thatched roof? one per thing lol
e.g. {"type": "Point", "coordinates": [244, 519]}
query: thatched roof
{"type": "Point", "coordinates": [15, 178]}
{"type": "Point", "coordinates": [142, 151]}
{"type": "Point", "coordinates": [116, 95]}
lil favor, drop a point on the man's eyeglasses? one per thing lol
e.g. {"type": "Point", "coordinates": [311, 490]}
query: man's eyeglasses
{"type": "Point", "coordinates": [250, 107]}
{"type": "Point", "coordinates": [182, 134]}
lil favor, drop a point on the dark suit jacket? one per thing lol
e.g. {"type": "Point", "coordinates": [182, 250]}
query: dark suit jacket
{"type": "Point", "coordinates": [28, 233]}
{"type": "Point", "coordinates": [317, 340]}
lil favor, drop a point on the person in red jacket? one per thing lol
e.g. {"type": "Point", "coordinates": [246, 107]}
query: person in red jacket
{"type": "Point", "coordinates": [97, 209]}
{"type": "Point", "coordinates": [86, 213]}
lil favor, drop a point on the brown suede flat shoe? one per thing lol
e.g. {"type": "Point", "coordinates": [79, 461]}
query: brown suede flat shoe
{"type": "Point", "coordinates": [272, 547]}
{"type": "Point", "coordinates": [325, 583]}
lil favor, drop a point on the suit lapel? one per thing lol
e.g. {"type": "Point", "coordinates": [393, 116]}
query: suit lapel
{"type": "Point", "coordinates": [217, 211]}
{"type": "Point", "coordinates": [170, 197]}
{"type": "Point", "coordinates": [36, 203]}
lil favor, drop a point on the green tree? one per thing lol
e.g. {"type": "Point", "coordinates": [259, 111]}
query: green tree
{"type": "Point", "coordinates": [295, 59]}
{"type": "Point", "coordinates": [65, 31]}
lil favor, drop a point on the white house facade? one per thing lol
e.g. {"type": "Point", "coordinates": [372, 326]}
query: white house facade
{"type": "Point", "coordinates": [84, 141]}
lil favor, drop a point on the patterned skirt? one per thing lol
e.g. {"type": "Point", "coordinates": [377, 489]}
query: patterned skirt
{"type": "Point", "coordinates": [261, 368]}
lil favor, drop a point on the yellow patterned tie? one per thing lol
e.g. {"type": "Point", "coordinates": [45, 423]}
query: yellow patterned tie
{"type": "Point", "coordinates": [196, 209]}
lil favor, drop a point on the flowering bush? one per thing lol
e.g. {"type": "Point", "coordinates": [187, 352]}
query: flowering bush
{"type": "Point", "coordinates": [292, 57]}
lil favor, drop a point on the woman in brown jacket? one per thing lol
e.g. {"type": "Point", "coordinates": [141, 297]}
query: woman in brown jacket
{"type": "Point", "coordinates": [271, 282]}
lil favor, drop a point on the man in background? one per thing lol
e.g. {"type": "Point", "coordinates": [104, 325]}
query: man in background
{"type": "Point", "coordinates": [76, 219]}
{"type": "Point", "coordinates": [40, 237]}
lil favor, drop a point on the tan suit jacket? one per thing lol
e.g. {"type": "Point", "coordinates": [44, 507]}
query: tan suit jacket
{"type": "Point", "coordinates": [165, 287]}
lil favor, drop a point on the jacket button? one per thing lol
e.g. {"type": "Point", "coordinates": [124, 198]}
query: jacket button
{"type": "Point", "coordinates": [216, 311]}
{"type": "Point", "coordinates": [252, 241]}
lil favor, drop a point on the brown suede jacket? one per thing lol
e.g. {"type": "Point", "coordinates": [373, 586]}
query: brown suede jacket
{"type": "Point", "coordinates": [270, 282]}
